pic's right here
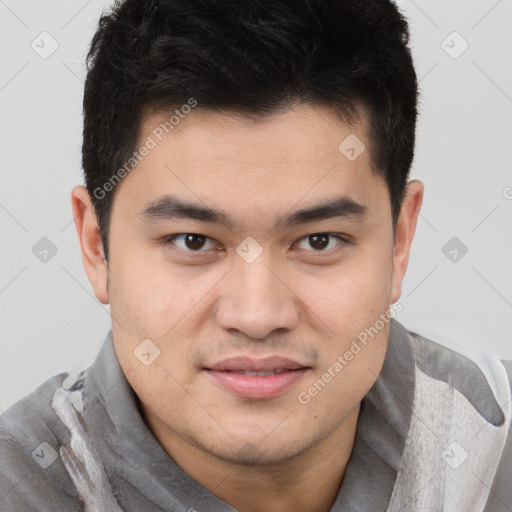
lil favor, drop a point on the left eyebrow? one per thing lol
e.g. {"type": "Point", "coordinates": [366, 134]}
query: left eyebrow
{"type": "Point", "coordinates": [341, 207]}
{"type": "Point", "coordinates": [169, 207]}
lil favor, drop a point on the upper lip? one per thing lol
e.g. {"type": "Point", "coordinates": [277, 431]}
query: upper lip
{"type": "Point", "coordinates": [245, 363]}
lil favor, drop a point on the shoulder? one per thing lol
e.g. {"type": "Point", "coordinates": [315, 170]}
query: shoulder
{"type": "Point", "coordinates": [501, 492]}
{"type": "Point", "coordinates": [32, 475]}
{"type": "Point", "coordinates": [485, 381]}
{"type": "Point", "coordinates": [482, 378]}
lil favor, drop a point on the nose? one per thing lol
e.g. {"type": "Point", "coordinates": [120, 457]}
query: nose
{"type": "Point", "coordinates": [256, 300]}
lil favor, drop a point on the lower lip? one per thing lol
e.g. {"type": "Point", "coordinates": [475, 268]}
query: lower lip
{"type": "Point", "coordinates": [256, 387]}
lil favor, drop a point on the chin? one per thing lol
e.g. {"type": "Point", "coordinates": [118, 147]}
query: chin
{"type": "Point", "coordinates": [260, 454]}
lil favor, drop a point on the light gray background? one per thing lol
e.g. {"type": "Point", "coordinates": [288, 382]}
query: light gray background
{"type": "Point", "coordinates": [51, 320]}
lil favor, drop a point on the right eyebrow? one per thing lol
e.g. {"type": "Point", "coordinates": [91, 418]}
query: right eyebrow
{"type": "Point", "coordinates": [169, 207]}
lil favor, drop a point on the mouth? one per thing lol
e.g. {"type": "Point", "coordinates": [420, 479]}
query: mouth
{"type": "Point", "coordinates": [249, 373]}
{"type": "Point", "coordinates": [256, 379]}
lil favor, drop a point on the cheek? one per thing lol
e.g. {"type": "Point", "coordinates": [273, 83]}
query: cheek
{"type": "Point", "coordinates": [350, 303]}
{"type": "Point", "coordinates": [336, 389]}
{"type": "Point", "coordinates": [153, 297]}
{"type": "Point", "coordinates": [353, 295]}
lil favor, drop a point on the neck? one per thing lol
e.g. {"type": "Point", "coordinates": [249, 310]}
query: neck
{"type": "Point", "coordinates": [309, 482]}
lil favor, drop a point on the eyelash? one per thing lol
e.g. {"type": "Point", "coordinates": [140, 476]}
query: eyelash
{"type": "Point", "coordinates": [169, 240]}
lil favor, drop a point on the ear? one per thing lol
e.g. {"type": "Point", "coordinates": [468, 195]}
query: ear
{"type": "Point", "coordinates": [405, 228]}
{"type": "Point", "coordinates": [89, 236]}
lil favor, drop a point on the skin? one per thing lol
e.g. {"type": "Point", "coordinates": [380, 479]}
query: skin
{"type": "Point", "coordinates": [294, 300]}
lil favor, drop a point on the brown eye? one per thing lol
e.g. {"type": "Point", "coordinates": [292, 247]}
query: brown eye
{"type": "Point", "coordinates": [321, 242]}
{"type": "Point", "coordinates": [194, 242]}
{"type": "Point", "coordinates": [191, 242]}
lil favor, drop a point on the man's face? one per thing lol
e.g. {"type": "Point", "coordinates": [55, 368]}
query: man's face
{"type": "Point", "coordinates": [256, 289]}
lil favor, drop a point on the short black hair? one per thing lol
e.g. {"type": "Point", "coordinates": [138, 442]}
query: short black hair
{"type": "Point", "coordinates": [254, 58]}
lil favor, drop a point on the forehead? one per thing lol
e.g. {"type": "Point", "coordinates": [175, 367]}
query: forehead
{"type": "Point", "coordinates": [300, 155]}
{"type": "Point", "coordinates": [302, 132]}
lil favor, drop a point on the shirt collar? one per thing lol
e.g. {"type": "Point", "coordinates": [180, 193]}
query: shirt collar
{"type": "Point", "coordinates": [382, 429]}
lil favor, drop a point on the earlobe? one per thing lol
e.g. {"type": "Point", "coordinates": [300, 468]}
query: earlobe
{"type": "Point", "coordinates": [93, 256]}
{"type": "Point", "coordinates": [405, 229]}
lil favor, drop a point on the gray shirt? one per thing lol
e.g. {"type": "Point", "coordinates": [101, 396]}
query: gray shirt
{"type": "Point", "coordinates": [143, 477]}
